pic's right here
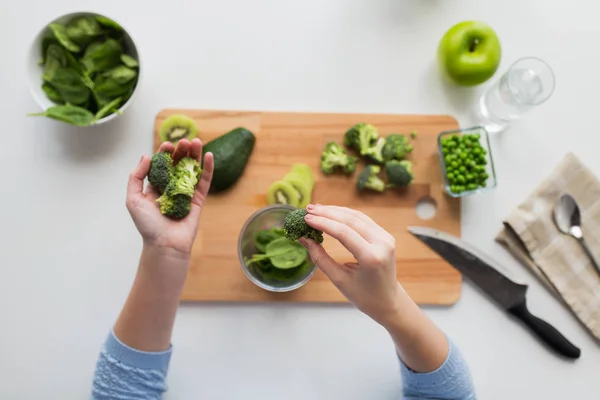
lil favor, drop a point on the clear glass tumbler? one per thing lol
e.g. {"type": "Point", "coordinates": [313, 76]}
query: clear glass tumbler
{"type": "Point", "coordinates": [527, 83]}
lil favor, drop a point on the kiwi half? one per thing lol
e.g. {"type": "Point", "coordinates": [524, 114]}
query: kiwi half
{"type": "Point", "coordinates": [282, 192]}
{"type": "Point", "coordinates": [302, 186]}
{"type": "Point", "coordinates": [178, 127]}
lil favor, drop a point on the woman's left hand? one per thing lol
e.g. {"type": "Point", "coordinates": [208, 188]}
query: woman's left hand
{"type": "Point", "coordinates": [156, 229]}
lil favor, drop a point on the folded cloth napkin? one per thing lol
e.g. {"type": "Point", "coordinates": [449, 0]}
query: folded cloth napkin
{"type": "Point", "coordinates": [558, 260]}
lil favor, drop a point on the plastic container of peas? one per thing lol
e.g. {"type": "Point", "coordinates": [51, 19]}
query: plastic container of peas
{"type": "Point", "coordinates": [467, 162]}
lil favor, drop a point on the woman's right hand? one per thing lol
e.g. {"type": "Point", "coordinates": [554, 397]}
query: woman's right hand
{"type": "Point", "coordinates": [370, 283]}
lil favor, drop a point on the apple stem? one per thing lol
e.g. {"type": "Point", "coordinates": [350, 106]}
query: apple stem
{"type": "Point", "coordinates": [473, 45]}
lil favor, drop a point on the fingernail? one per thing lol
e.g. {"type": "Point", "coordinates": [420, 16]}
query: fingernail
{"type": "Point", "coordinates": [308, 216]}
{"type": "Point", "coordinates": [310, 207]}
{"type": "Point", "coordinates": [142, 159]}
{"type": "Point", "coordinates": [320, 205]}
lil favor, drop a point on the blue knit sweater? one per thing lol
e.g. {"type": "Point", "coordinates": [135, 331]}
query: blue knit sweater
{"type": "Point", "coordinates": [123, 373]}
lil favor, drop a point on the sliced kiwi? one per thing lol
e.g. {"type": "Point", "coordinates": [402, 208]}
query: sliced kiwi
{"type": "Point", "coordinates": [178, 127]}
{"type": "Point", "coordinates": [282, 192]}
{"type": "Point", "coordinates": [304, 170]}
{"type": "Point", "coordinates": [302, 186]}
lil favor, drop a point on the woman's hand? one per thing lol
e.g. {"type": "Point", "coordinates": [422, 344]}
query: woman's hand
{"type": "Point", "coordinates": [157, 230]}
{"type": "Point", "coordinates": [370, 283]}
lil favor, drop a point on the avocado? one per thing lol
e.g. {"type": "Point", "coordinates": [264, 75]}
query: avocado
{"type": "Point", "coordinates": [231, 153]}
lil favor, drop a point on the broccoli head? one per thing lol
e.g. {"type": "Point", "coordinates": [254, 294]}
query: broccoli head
{"type": "Point", "coordinates": [399, 173]}
{"type": "Point", "coordinates": [374, 153]}
{"type": "Point", "coordinates": [368, 179]}
{"type": "Point", "coordinates": [161, 171]}
{"type": "Point", "coordinates": [361, 137]}
{"type": "Point", "coordinates": [295, 227]}
{"type": "Point", "coordinates": [176, 207]}
{"type": "Point", "coordinates": [185, 177]}
{"type": "Point", "coordinates": [335, 158]}
{"type": "Point", "coordinates": [396, 147]}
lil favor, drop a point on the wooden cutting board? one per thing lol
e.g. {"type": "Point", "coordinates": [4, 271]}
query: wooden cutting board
{"type": "Point", "coordinates": [285, 138]}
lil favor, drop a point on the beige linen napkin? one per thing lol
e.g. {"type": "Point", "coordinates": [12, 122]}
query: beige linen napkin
{"type": "Point", "coordinates": [556, 259]}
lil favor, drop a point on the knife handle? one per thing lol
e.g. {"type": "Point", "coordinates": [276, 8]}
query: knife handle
{"type": "Point", "coordinates": [546, 332]}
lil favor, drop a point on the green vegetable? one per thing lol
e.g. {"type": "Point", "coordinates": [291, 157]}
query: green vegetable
{"type": "Point", "coordinates": [465, 162]}
{"type": "Point", "coordinates": [176, 207]}
{"type": "Point", "coordinates": [60, 33]}
{"type": "Point", "coordinates": [108, 23]}
{"type": "Point", "coordinates": [296, 227]}
{"type": "Point", "coordinates": [82, 30]}
{"type": "Point", "coordinates": [186, 176]}
{"type": "Point", "coordinates": [70, 85]}
{"type": "Point", "coordinates": [335, 158]}
{"type": "Point", "coordinates": [129, 61]}
{"type": "Point", "coordinates": [85, 64]}
{"type": "Point", "coordinates": [51, 93]}
{"type": "Point", "coordinates": [108, 108]}
{"type": "Point", "coordinates": [413, 134]}
{"type": "Point", "coordinates": [396, 147]}
{"type": "Point", "coordinates": [231, 154]}
{"type": "Point", "coordinates": [282, 253]}
{"type": "Point", "coordinates": [368, 179]}
{"type": "Point", "coordinates": [176, 184]}
{"type": "Point", "coordinates": [68, 113]}
{"type": "Point", "coordinates": [399, 173]}
{"type": "Point", "coordinates": [161, 171]}
{"type": "Point", "coordinates": [374, 154]}
{"type": "Point", "coordinates": [101, 56]}
{"type": "Point", "coordinates": [361, 137]}
{"type": "Point", "coordinates": [266, 236]}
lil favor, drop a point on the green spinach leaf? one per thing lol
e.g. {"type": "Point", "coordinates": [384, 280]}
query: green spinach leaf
{"type": "Point", "coordinates": [68, 113]}
{"type": "Point", "coordinates": [70, 85]}
{"type": "Point", "coordinates": [60, 33]}
{"type": "Point", "coordinates": [101, 56]}
{"type": "Point", "coordinates": [55, 59]}
{"type": "Point", "coordinates": [108, 23]}
{"type": "Point", "coordinates": [109, 108]}
{"type": "Point", "coordinates": [52, 93]}
{"type": "Point", "coordinates": [83, 30]}
{"type": "Point", "coordinates": [129, 61]}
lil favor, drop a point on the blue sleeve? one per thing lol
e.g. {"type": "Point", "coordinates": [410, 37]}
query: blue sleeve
{"type": "Point", "coordinates": [125, 373]}
{"type": "Point", "coordinates": [451, 381]}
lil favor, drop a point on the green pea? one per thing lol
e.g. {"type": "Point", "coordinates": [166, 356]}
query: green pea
{"type": "Point", "coordinates": [454, 164]}
{"type": "Point", "coordinates": [484, 175]}
{"type": "Point", "coordinates": [483, 184]}
{"type": "Point", "coordinates": [472, 186]}
{"type": "Point", "coordinates": [461, 179]}
{"type": "Point", "coordinates": [463, 155]}
{"type": "Point", "coordinates": [450, 176]}
{"type": "Point", "coordinates": [462, 169]}
{"type": "Point", "coordinates": [469, 177]}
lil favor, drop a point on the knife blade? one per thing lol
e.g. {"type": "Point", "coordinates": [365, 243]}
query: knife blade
{"type": "Point", "coordinates": [489, 277]}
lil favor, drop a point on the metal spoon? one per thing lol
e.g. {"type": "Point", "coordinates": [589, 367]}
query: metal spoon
{"type": "Point", "coordinates": [568, 220]}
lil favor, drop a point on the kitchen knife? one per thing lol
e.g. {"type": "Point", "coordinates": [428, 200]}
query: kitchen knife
{"type": "Point", "coordinates": [486, 274]}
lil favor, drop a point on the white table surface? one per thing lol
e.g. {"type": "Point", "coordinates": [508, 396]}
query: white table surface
{"type": "Point", "coordinates": [69, 252]}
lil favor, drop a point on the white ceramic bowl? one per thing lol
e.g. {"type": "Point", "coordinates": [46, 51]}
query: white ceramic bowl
{"type": "Point", "coordinates": [35, 71]}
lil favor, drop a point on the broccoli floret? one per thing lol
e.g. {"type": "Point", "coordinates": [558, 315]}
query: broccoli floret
{"type": "Point", "coordinates": [399, 173]}
{"type": "Point", "coordinates": [374, 153]}
{"type": "Point", "coordinates": [361, 137]}
{"type": "Point", "coordinates": [161, 171]}
{"type": "Point", "coordinates": [295, 227]}
{"type": "Point", "coordinates": [335, 158]}
{"type": "Point", "coordinates": [368, 179]}
{"type": "Point", "coordinates": [177, 206]}
{"type": "Point", "coordinates": [396, 147]}
{"type": "Point", "coordinates": [185, 178]}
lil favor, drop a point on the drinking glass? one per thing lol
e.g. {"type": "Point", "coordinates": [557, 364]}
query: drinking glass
{"type": "Point", "coordinates": [528, 83]}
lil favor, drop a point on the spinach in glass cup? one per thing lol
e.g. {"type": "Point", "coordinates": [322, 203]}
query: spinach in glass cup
{"type": "Point", "coordinates": [278, 259]}
{"type": "Point", "coordinates": [87, 71]}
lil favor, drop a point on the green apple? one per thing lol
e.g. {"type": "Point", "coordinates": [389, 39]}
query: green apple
{"type": "Point", "coordinates": [469, 53]}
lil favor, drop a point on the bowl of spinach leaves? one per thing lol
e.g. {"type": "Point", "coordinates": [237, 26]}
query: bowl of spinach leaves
{"type": "Point", "coordinates": [83, 69]}
{"type": "Point", "coordinates": [270, 260]}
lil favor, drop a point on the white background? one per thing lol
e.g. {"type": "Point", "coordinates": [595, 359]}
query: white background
{"type": "Point", "coordinates": [68, 251]}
